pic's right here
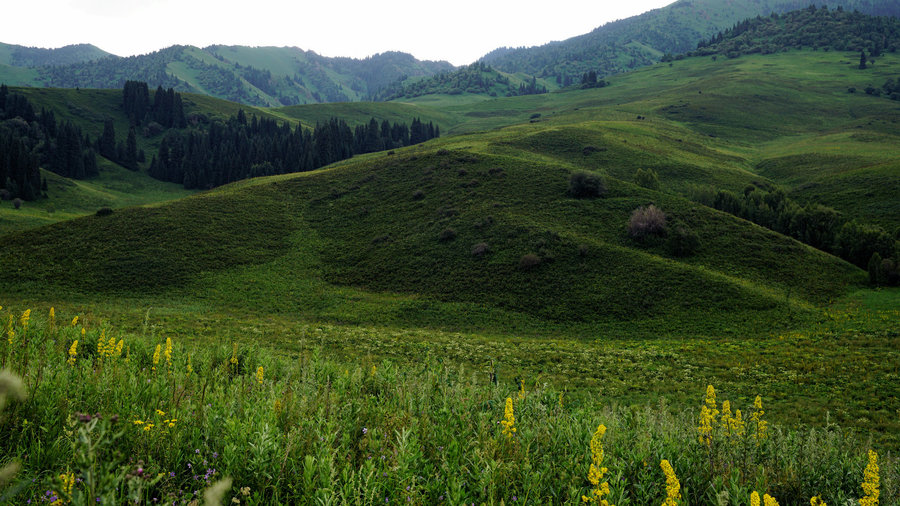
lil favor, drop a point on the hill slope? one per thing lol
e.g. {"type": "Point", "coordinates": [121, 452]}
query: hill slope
{"type": "Point", "coordinates": [266, 76]}
{"type": "Point", "coordinates": [21, 56]}
{"type": "Point", "coordinates": [645, 39]}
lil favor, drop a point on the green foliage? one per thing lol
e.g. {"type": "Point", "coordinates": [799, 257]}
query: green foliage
{"type": "Point", "coordinates": [172, 418]}
{"type": "Point", "coordinates": [585, 185]}
{"type": "Point", "coordinates": [476, 79]}
{"type": "Point", "coordinates": [647, 178]}
{"type": "Point", "coordinates": [820, 29]}
{"type": "Point", "coordinates": [681, 241]}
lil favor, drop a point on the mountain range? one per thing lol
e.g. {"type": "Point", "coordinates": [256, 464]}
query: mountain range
{"type": "Point", "coordinates": [277, 76]}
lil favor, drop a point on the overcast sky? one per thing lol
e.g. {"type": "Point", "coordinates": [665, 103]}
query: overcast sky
{"type": "Point", "coordinates": [459, 31]}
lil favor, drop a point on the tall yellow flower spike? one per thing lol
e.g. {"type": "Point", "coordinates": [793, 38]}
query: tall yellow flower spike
{"type": "Point", "coordinates": [673, 486]}
{"type": "Point", "coordinates": [769, 500]}
{"type": "Point", "coordinates": [26, 316]}
{"type": "Point", "coordinates": [597, 471]}
{"type": "Point", "coordinates": [754, 499]}
{"type": "Point", "coordinates": [708, 414]}
{"type": "Point", "coordinates": [73, 352]}
{"type": "Point", "coordinates": [234, 360]}
{"type": "Point", "coordinates": [259, 375]}
{"type": "Point", "coordinates": [522, 390]}
{"type": "Point", "coordinates": [760, 425]}
{"type": "Point", "coordinates": [509, 420]}
{"type": "Point", "coordinates": [870, 482]}
{"type": "Point", "coordinates": [168, 352]}
{"type": "Point", "coordinates": [75, 320]}
{"type": "Point", "coordinates": [156, 356]}
{"type": "Point", "coordinates": [52, 317]}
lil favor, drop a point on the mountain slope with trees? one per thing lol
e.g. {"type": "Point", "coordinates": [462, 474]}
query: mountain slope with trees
{"type": "Point", "coordinates": [646, 39]}
{"type": "Point", "coordinates": [21, 56]}
{"type": "Point", "coordinates": [263, 76]}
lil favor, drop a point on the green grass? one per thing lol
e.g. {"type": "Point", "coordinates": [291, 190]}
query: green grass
{"type": "Point", "coordinates": [168, 418]}
{"type": "Point", "coordinates": [348, 258]}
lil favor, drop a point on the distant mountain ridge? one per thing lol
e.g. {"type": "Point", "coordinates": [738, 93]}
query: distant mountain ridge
{"type": "Point", "coordinates": [262, 76]}
{"type": "Point", "coordinates": [22, 56]}
{"type": "Point", "coordinates": [645, 39]}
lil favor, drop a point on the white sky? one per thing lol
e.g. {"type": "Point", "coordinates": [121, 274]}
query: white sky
{"type": "Point", "coordinates": [459, 31]}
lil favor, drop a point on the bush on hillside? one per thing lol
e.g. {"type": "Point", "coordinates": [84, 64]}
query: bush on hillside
{"type": "Point", "coordinates": [480, 249]}
{"type": "Point", "coordinates": [647, 221]}
{"type": "Point", "coordinates": [584, 185]}
{"type": "Point", "coordinates": [647, 178]}
{"type": "Point", "coordinates": [104, 211]}
{"type": "Point", "coordinates": [682, 241]}
{"type": "Point", "coordinates": [447, 235]}
{"type": "Point", "coordinates": [529, 261]}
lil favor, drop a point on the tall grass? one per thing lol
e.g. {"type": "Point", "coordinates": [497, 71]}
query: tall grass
{"type": "Point", "coordinates": [152, 420]}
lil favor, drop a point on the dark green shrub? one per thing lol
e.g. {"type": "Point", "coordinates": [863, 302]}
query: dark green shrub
{"type": "Point", "coordinates": [447, 235]}
{"type": "Point", "coordinates": [682, 241]}
{"type": "Point", "coordinates": [529, 261]}
{"type": "Point", "coordinates": [584, 185]}
{"type": "Point", "coordinates": [481, 249]}
{"type": "Point", "coordinates": [647, 178]}
{"type": "Point", "coordinates": [104, 211]}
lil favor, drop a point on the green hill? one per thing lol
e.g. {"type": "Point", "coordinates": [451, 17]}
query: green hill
{"type": "Point", "coordinates": [21, 56]}
{"type": "Point", "coordinates": [645, 39]}
{"type": "Point", "coordinates": [262, 76]}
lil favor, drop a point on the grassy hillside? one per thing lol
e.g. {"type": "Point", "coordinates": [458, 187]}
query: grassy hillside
{"type": "Point", "coordinates": [21, 56]}
{"type": "Point", "coordinates": [260, 76]}
{"type": "Point", "coordinates": [357, 258]}
{"type": "Point", "coordinates": [642, 40]}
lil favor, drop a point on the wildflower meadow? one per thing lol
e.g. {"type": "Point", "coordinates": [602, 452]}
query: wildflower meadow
{"type": "Point", "coordinates": [93, 416]}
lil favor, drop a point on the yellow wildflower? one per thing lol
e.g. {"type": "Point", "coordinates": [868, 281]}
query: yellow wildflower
{"type": "Point", "coordinates": [736, 425]}
{"type": "Point", "coordinates": [138, 422]}
{"type": "Point", "coordinates": [522, 390]}
{"type": "Point", "coordinates": [190, 368]}
{"type": "Point", "coordinates": [68, 482]}
{"type": "Point", "coordinates": [374, 370]}
{"type": "Point", "coordinates": [73, 352]}
{"type": "Point", "coordinates": [52, 316]}
{"type": "Point", "coordinates": [597, 471]}
{"type": "Point", "coordinates": [234, 359]}
{"type": "Point", "coordinates": [509, 420]}
{"type": "Point", "coordinates": [817, 501]}
{"type": "Point", "coordinates": [26, 316]}
{"type": "Point", "coordinates": [119, 346]}
{"type": "Point", "coordinates": [75, 320]}
{"type": "Point", "coordinates": [725, 419]}
{"type": "Point", "coordinates": [769, 500]}
{"type": "Point", "coordinates": [160, 412]}
{"type": "Point", "coordinates": [110, 347]}
{"type": "Point", "coordinates": [259, 375]}
{"type": "Point", "coordinates": [756, 419]}
{"type": "Point", "coordinates": [277, 406]}
{"type": "Point", "coordinates": [870, 482]}
{"type": "Point", "coordinates": [708, 414]}
{"type": "Point", "coordinates": [168, 352]}
{"type": "Point", "coordinates": [10, 336]}
{"type": "Point", "coordinates": [156, 356]}
{"type": "Point", "coordinates": [754, 499]}
{"type": "Point", "coordinates": [673, 486]}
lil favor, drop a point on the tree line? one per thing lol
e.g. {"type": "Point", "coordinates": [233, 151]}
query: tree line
{"type": "Point", "coordinates": [814, 28]}
{"type": "Point", "coordinates": [30, 140]}
{"type": "Point", "coordinates": [819, 226]}
{"type": "Point", "coordinates": [242, 147]}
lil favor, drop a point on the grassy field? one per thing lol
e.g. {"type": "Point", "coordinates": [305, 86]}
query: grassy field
{"type": "Point", "coordinates": [151, 419]}
{"type": "Point", "coordinates": [377, 260]}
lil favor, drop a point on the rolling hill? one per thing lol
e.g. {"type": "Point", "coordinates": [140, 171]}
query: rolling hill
{"type": "Point", "coordinates": [262, 76]}
{"type": "Point", "coordinates": [394, 239]}
{"type": "Point", "coordinates": [645, 39]}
